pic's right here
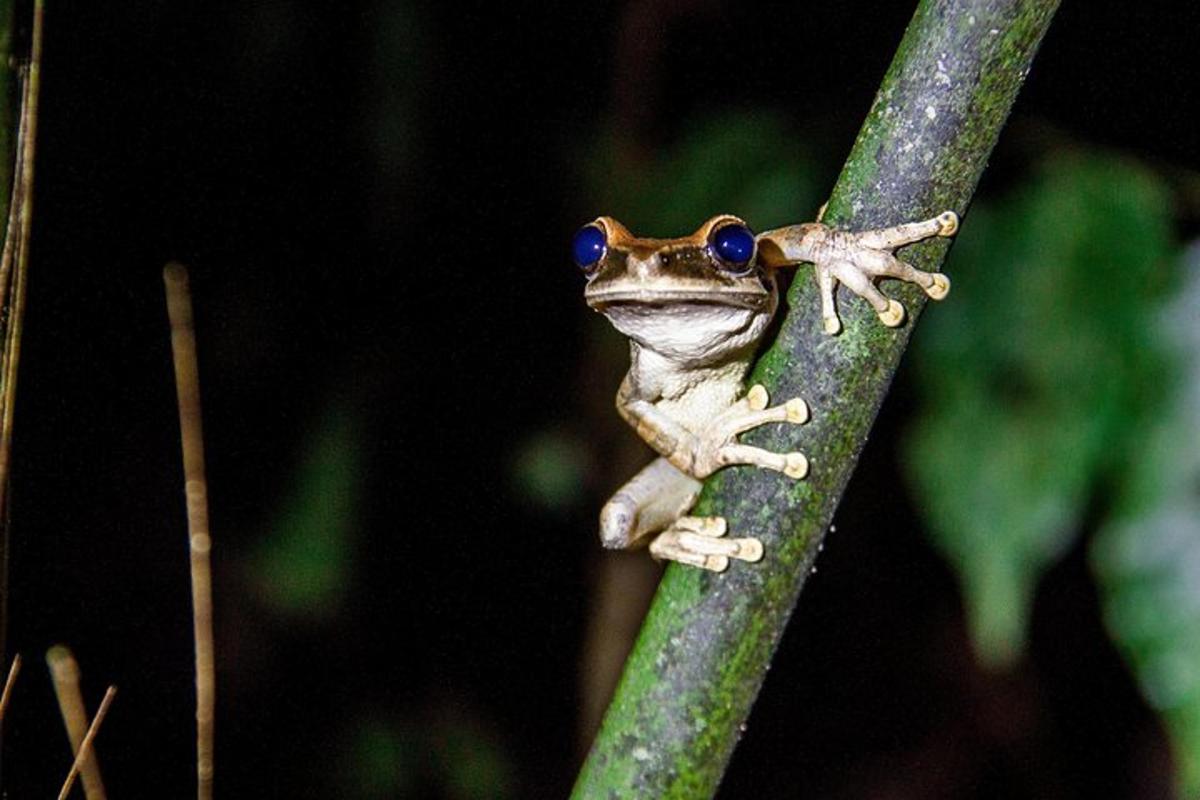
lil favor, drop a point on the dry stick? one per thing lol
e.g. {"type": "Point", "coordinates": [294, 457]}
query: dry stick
{"type": "Point", "coordinates": [85, 746]}
{"type": "Point", "coordinates": [187, 385]}
{"type": "Point", "coordinates": [13, 671]}
{"type": "Point", "coordinates": [16, 257]}
{"type": "Point", "coordinates": [64, 671]}
{"type": "Point", "coordinates": [16, 244]}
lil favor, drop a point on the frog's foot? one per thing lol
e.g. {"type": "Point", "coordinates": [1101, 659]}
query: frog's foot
{"type": "Point", "coordinates": [719, 446]}
{"type": "Point", "coordinates": [859, 260]}
{"type": "Point", "coordinates": [700, 542]}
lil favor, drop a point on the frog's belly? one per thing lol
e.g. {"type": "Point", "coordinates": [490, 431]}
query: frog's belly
{"type": "Point", "coordinates": [698, 406]}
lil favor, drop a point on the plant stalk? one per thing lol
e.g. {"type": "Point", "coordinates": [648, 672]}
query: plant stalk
{"type": "Point", "coordinates": [708, 639]}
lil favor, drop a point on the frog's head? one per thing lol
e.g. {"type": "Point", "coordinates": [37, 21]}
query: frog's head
{"type": "Point", "coordinates": [695, 296]}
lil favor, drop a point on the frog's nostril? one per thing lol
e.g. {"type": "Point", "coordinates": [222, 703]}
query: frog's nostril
{"type": "Point", "coordinates": [644, 266]}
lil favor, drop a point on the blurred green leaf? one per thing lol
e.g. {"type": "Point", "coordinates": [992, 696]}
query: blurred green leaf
{"type": "Point", "coordinates": [303, 565]}
{"type": "Point", "coordinates": [745, 164]}
{"type": "Point", "coordinates": [473, 767]}
{"type": "Point", "coordinates": [383, 760]}
{"type": "Point", "coordinates": [1147, 556]}
{"type": "Point", "coordinates": [1038, 377]}
{"type": "Point", "coordinates": [451, 756]}
{"type": "Point", "coordinates": [548, 470]}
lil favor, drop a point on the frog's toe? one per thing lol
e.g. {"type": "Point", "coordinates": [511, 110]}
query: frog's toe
{"type": "Point", "coordinates": [667, 549]}
{"type": "Point", "coordinates": [713, 527]}
{"type": "Point", "coordinates": [795, 465]}
{"type": "Point", "coordinates": [893, 315]}
{"type": "Point", "coordinates": [700, 542]}
{"type": "Point", "coordinates": [750, 549]}
{"type": "Point", "coordinates": [797, 411]}
{"type": "Point", "coordinates": [757, 397]}
{"type": "Point", "coordinates": [939, 287]}
{"type": "Point", "coordinates": [947, 223]}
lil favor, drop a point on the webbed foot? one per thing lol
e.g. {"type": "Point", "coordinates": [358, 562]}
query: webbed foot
{"type": "Point", "coordinates": [859, 260]}
{"type": "Point", "coordinates": [700, 542]}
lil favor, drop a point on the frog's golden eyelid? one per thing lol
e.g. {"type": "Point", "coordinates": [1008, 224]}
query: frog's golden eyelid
{"type": "Point", "coordinates": [719, 221]}
{"type": "Point", "coordinates": [614, 231]}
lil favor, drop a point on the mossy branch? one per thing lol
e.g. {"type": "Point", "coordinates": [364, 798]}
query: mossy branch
{"type": "Point", "coordinates": [708, 639]}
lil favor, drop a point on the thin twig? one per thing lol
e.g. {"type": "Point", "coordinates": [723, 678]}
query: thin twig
{"type": "Point", "coordinates": [14, 262]}
{"type": "Point", "coordinates": [16, 245]}
{"type": "Point", "coordinates": [85, 746]}
{"type": "Point", "coordinates": [187, 385]}
{"type": "Point", "coordinates": [64, 672]}
{"type": "Point", "coordinates": [13, 671]}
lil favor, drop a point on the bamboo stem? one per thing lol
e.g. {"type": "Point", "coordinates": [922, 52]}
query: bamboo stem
{"type": "Point", "coordinates": [85, 747]}
{"type": "Point", "coordinates": [187, 384]}
{"type": "Point", "coordinates": [64, 672]}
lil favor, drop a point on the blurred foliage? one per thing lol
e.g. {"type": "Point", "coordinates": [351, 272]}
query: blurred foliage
{"type": "Point", "coordinates": [1037, 377]}
{"type": "Point", "coordinates": [397, 757]}
{"type": "Point", "coordinates": [1054, 399]}
{"type": "Point", "coordinates": [303, 564]}
{"type": "Point", "coordinates": [549, 471]}
{"type": "Point", "coordinates": [745, 164]}
{"type": "Point", "coordinates": [1147, 554]}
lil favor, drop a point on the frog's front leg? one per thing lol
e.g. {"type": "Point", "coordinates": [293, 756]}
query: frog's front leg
{"type": "Point", "coordinates": [701, 453]}
{"type": "Point", "coordinates": [858, 260]}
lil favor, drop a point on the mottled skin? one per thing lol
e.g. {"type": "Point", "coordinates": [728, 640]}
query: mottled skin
{"type": "Point", "coordinates": [694, 322]}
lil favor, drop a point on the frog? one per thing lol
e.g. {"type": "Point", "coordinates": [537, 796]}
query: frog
{"type": "Point", "coordinates": [695, 310]}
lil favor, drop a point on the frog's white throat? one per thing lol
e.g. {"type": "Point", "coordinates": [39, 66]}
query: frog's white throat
{"type": "Point", "coordinates": [692, 334]}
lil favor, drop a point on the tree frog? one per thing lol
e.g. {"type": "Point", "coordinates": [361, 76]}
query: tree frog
{"type": "Point", "coordinates": [694, 309]}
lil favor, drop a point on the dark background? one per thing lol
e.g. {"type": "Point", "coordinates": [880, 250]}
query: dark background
{"type": "Point", "coordinates": [376, 201]}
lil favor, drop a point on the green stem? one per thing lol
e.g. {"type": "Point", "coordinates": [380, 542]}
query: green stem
{"type": "Point", "coordinates": [708, 639]}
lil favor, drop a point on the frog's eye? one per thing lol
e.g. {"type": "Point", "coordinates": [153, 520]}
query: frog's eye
{"type": "Point", "coordinates": [589, 245]}
{"type": "Point", "coordinates": [733, 245]}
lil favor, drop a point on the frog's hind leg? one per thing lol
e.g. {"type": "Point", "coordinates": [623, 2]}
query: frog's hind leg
{"type": "Point", "coordinates": [655, 500]}
{"type": "Point", "coordinates": [650, 502]}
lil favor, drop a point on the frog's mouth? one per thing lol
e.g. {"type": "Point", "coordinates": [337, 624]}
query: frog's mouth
{"type": "Point", "coordinates": [676, 300]}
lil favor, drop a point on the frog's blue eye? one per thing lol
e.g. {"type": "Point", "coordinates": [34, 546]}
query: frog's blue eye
{"type": "Point", "coordinates": [733, 244]}
{"type": "Point", "coordinates": [588, 246]}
